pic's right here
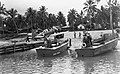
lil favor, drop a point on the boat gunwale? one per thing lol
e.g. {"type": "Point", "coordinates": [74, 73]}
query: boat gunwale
{"type": "Point", "coordinates": [53, 48]}
{"type": "Point", "coordinates": [95, 47]}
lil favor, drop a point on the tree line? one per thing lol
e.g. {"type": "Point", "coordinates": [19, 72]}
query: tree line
{"type": "Point", "coordinates": [93, 18]}
{"type": "Point", "coordinates": [32, 19]}
{"type": "Point", "coordinates": [90, 16]}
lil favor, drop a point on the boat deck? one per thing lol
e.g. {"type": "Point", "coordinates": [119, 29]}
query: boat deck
{"type": "Point", "coordinates": [77, 44]}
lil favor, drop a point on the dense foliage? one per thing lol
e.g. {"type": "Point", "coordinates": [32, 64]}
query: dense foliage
{"type": "Point", "coordinates": [93, 18]}
{"type": "Point", "coordinates": [90, 17]}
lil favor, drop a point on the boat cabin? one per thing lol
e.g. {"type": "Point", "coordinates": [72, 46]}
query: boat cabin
{"type": "Point", "coordinates": [57, 35]}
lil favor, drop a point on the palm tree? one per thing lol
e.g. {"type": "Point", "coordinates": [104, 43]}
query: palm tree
{"type": "Point", "coordinates": [90, 8]}
{"type": "Point", "coordinates": [115, 7]}
{"type": "Point", "coordinates": [12, 14]}
{"type": "Point", "coordinates": [102, 17]}
{"type": "Point", "coordinates": [52, 20]}
{"type": "Point", "coordinates": [31, 17]}
{"type": "Point", "coordinates": [79, 19]}
{"type": "Point", "coordinates": [72, 14]}
{"type": "Point", "coordinates": [2, 11]}
{"type": "Point", "coordinates": [42, 17]}
{"type": "Point", "coordinates": [20, 21]}
{"type": "Point", "coordinates": [111, 17]}
{"type": "Point", "coordinates": [61, 19]}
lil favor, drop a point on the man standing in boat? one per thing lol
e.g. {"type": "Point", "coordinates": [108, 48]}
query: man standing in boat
{"type": "Point", "coordinates": [87, 39]}
{"type": "Point", "coordinates": [47, 42]}
{"type": "Point", "coordinates": [79, 35]}
{"type": "Point", "coordinates": [27, 38]}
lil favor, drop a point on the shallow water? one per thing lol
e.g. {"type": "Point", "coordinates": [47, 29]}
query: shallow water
{"type": "Point", "coordinates": [29, 63]}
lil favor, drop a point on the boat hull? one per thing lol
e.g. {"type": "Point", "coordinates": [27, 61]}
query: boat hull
{"type": "Point", "coordinates": [52, 51]}
{"type": "Point", "coordinates": [97, 50]}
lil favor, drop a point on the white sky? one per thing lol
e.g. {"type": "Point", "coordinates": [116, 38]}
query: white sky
{"type": "Point", "coordinates": [54, 6]}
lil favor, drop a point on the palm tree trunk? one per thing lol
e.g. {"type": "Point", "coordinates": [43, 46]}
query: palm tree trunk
{"type": "Point", "coordinates": [111, 19]}
{"type": "Point", "coordinates": [90, 20]}
{"type": "Point", "coordinates": [74, 31]}
{"type": "Point", "coordinates": [2, 26]}
{"type": "Point", "coordinates": [15, 25]}
{"type": "Point", "coordinates": [31, 24]}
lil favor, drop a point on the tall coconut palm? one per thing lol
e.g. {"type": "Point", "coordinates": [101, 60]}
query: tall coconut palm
{"type": "Point", "coordinates": [79, 19]}
{"type": "Point", "coordinates": [30, 17]}
{"type": "Point", "coordinates": [115, 7]}
{"type": "Point", "coordinates": [72, 14]}
{"type": "Point", "coordinates": [2, 12]}
{"type": "Point", "coordinates": [102, 17]}
{"type": "Point", "coordinates": [111, 16]}
{"type": "Point", "coordinates": [42, 17]}
{"type": "Point", "coordinates": [52, 20]}
{"type": "Point", "coordinates": [20, 21]}
{"type": "Point", "coordinates": [61, 19]}
{"type": "Point", "coordinates": [105, 14]}
{"type": "Point", "coordinates": [12, 14]}
{"type": "Point", "coordinates": [90, 8]}
{"type": "Point", "coordinates": [113, 11]}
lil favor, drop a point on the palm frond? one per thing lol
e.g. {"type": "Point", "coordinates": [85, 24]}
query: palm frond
{"type": "Point", "coordinates": [85, 8]}
{"type": "Point", "coordinates": [98, 0]}
{"type": "Point", "coordinates": [86, 4]}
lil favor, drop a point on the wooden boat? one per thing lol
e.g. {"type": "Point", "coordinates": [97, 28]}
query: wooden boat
{"type": "Point", "coordinates": [97, 48]}
{"type": "Point", "coordinates": [55, 50]}
{"type": "Point", "coordinates": [100, 47]}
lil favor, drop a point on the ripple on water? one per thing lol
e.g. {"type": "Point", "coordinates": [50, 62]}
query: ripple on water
{"type": "Point", "coordinates": [28, 63]}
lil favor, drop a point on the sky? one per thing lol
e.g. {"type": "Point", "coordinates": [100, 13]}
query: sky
{"type": "Point", "coordinates": [53, 6]}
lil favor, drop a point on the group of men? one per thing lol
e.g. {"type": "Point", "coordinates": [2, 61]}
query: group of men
{"type": "Point", "coordinates": [87, 38]}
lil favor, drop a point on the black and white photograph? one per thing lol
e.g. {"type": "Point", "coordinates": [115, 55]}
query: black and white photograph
{"type": "Point", "coordinates": [59, 36]}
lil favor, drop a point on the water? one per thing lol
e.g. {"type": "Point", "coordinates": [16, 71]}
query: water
{"type": "Point", "coordinates": [29, 63]}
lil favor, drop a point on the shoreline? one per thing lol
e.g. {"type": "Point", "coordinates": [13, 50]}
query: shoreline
{"type": "Point", "coordinates": [70, 34]}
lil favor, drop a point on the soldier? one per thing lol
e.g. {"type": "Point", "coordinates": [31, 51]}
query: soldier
{"type": "Point", "coordinates": [79, 35]}
{"type": "Point", "coordinates": [87, 39]}
{"type": "Point", "coordinates": [27, 39]}
{"type": "Point", "coordinates": [47, 42]}
{"type": "Point", "coordinates": [74, 34]}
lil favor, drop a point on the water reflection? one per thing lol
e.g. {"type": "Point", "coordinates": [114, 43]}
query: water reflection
{"type": "Point", "coordinates": [102, 64]}
{"type": "Point", "coordinates": [29, 63]}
